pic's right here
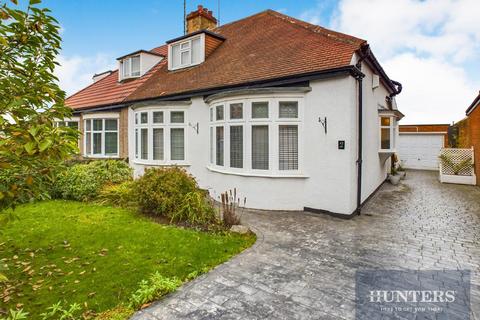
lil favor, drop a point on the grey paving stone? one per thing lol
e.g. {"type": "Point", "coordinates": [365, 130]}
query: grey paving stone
{"type": "Point", "coordinates": [303, 265]}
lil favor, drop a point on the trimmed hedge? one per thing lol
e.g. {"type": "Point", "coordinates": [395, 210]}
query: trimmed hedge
{"type": "Point", "coordinates": [83, 182]}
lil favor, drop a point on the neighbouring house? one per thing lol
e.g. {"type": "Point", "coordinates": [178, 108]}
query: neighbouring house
{"type": "Point", "coordinates": [292, 115]}
{"type": "Point", "coordinates": [419, 145]}
{"type": "Point", "coordinates": [468, 132]}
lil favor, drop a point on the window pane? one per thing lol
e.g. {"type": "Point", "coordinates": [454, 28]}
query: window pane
{"type": "Point", "coordinates": [196, 50]}
{"type": "Point", "coordinates": [111, 124]}
{"type": "Point", "coordinates": [236, 111]}
{"type": "Point", "coordinates": [259, 110]}
{"type": "Point", "coordinates": [219, 113]}
{"type": "Point", "coordinates": [211, 145]}
{"type": "Point", "coordinates": [60, 124]}
{"type": "Point", "coordinates": [144, 117]}
{"type": "Point", "coordinates": [288, 147]}
{"type": "Point", "coordinates": [158, 117]}
{"type": "Point", "coordinates": [136, 143]}
{"type": "Point", "coordinates": [136, 118]}
{"type": "Point", "coordinates": [177, 117]}
{"type": "Point", "coordinates": [236, 146]}
{"type": "Point", "coordinates": [260, 147]}
{"type": "Point", "coordinates": [136, 66]}
{"type": "Point", "coordinates": [177, 144]}
{"type": "Point", "coordinates": [88, 143]}
{"type": "Point", "coordinates": [88, 125]}
{"type": "Point", "coordinates": [144, 144]}
{"type": "Point", "coordinates": [185, 58]}
{"type": "Point", "coordinates": [185, 45]}
{"type": "Point", "coordinates": [157, 144]}
{"type": "Point", "coordinates": [73, 125]}
{"type": "Point", "coordinates": [288, 109]}
{"type": "Point", "coordinates": [126, 68]}
{"type": "Point", "coordinates": [111, 145]}
{"type": "Point", "coordinates": [175, 55]}
{"type": "Point", "coordinates": [385, 121]}
{"type": "Point", "coordinates": [385, 138]}
{"type": "Point", "coordinates": [97, 124]}
{"type": "Point", "coordinates": [97, 143]}
{"type": "Point", "coordinates": [211, 114]}
{"type": "Point", "coordinates": [219, 144]}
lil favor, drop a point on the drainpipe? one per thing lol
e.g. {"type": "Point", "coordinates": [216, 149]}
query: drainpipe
{"type": "Point", "coordinates": [359, 77]}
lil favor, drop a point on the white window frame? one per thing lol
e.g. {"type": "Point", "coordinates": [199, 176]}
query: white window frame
{"type": "Point", "coordinates": [273, 122]}
{"type": "Point", "coordinates": [129, 59]}
{"type": "Point", "coordinates": [67, 121]}
{"type": "Point", "coordinates": [167, 125]}
{"type": "Point", "coordinates": [189, 49]}
{"type": "Point", "coordinates": [393, 130]}
{"type": "Point", "coordinates": [102, 117]}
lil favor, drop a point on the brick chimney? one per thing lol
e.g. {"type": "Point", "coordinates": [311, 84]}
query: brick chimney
{"type": "Point", "coordinates": [202, 18]}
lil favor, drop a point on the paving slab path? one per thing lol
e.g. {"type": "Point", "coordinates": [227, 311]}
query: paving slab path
{"type": "Point", "coordinates": [303, 265]}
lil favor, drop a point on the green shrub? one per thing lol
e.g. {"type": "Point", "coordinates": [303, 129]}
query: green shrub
{"type": "Point", "coordinates": [196, 209]}
{"type": "Point", "coordinates": [153, 289]}
{"type": "Point", "coordinates": [83, 182]}
{"type": "Point", "coordinates": [119, 195]}
{"type": "Point", "coordinates": [173, 193]}
{"type": "Point", "coordinates": [161, 191]}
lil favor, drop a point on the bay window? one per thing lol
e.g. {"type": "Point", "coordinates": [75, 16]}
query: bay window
{"type": "Point", "coordinates": [387, 133]}
{"type": "Point", "coordinates": [256, 136]}
{"type": "Point", "coordinates": [160, 136]}
{"type": "Point", "coordinates": [101, 137]}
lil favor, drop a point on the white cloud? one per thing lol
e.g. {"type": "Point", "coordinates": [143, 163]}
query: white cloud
{"type": "Point", "coordinates": [426, 45]}
{"type": "Point", "coordinates": [76, 72]}
{"type": "Point", "coordinates": [433, 91]}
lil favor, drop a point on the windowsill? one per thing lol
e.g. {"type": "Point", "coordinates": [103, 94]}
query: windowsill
{"type": "Point", "coordinates": [99, 156]}
{"type": "Point", "coordinates": [161, 164]}
{"type": "Point", "coordinates": [387, 151]}
{"type": "Point", "coordinates": [129, 78]}
{"type": "Point", "coordinates": [258, 174]}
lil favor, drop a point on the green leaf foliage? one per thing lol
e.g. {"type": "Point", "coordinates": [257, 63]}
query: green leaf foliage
{"type": "Point", "coordinates": [84, 181]}
{"type": "Point", "coordinates": [174, 194]}
{"type": "Point", "coordinates": [30, 101]}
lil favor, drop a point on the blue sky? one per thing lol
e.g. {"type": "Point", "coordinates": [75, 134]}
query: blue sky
{"type": "Point", "coordinates": [431, 46]}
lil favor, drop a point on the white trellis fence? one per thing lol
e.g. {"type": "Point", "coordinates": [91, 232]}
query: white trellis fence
{"type": "Point", "coordinates": [452, 170]}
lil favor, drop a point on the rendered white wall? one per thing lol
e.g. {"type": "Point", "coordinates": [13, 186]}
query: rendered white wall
{"type": "Point", "coordinates": [374, 168]}
{"type": "Point", "coordinates": [331, 174]}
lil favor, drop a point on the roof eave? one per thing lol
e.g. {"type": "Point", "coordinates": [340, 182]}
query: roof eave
{"type": "Point", "coordinates": [474, 104]}
{"type": "Point", "coordinates": [322, 74]}
{"type": "Point", "coordinates": [141, 51]}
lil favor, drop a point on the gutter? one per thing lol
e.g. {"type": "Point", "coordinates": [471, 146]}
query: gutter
{"type": "Point", "coordinates": [366, 55]}
{"type": "Point", "coordinates": [359, 79]}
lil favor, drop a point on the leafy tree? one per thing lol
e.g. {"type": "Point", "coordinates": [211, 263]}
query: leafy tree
{"type": "Point", "coordinates": [31, 145]}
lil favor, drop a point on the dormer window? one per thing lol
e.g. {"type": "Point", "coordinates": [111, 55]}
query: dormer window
{"type": "Point", "coordinates": [186, 53]}
{"type": "Point", "coordinates": [136, 64]}
{"type": "Point", "coordinates": [130, 67]}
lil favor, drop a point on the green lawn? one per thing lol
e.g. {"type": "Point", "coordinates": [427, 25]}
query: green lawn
{"type": "Point", "coordinates": [96, 255]}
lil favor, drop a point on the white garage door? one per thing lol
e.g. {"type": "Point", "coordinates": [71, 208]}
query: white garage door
{"type": "Point", "coordinates": [420, 151]}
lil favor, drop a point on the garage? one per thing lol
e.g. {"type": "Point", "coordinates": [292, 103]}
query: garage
{"type": "Point", "coordinates": [420, 150]}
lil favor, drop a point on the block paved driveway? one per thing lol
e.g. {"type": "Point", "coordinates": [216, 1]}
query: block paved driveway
{"type": "Point", "coordinates": [303, 265]}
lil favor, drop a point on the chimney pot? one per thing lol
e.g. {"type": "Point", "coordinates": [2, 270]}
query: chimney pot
{"type": "Point", "coordinates": [202, 18]}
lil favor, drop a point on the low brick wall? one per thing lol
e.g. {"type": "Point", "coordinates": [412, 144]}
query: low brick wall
{"type": "Point", "coordinates": [469, 136]}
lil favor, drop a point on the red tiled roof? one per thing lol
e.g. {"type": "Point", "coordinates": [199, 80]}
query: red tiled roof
{"type": "Point", "coordinates": [264, 46]}
{"type": "Point", "coordinates": [108, 90]}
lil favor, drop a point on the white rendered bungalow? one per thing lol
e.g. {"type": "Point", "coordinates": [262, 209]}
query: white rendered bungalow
{"type": "Point", "coordinates": [293, 115]}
